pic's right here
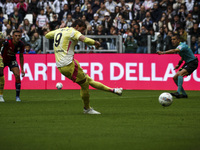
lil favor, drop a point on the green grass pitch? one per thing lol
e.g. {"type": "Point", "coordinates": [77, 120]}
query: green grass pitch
{"type": "Point", "coordinates": [53, 120]}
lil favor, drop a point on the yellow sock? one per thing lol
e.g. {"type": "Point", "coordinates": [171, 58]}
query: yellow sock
{"type": "Point", "coordinates": [98, 85]}
{"type": "Point", "coordinates": [85, 94]}
{"type": "Point", "coordinates": [2, 80]}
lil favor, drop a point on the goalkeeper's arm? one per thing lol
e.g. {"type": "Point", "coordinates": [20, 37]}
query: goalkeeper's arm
{"type": "Point", "coordinates": [89, 41]}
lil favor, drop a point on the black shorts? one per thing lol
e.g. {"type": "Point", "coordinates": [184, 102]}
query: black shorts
{"type": "Point", "coordinates": [190, 66]}
{"type": "Point", "coordinates": [12, 64]}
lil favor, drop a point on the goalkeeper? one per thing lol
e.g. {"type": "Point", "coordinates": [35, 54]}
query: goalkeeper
{"type": "Point", "coordinates": [64, 41]}
{"type": "Point", "coordinates": [191, 64]}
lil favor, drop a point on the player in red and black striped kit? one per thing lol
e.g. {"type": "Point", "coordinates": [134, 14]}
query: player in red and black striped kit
{"type": "Point", "coordinates": [9, 50]}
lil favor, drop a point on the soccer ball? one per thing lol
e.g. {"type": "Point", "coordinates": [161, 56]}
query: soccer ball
{"type": "Point", "coordinates": [59, 85]}
{"type": "Point", "coordinates": [165, 99]}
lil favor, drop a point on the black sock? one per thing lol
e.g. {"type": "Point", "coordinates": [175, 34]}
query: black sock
{"type": "Point", "coordinates": [18, 87]}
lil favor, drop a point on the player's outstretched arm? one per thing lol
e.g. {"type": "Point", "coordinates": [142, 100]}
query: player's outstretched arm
{"type": "Point", "coordinates": [89, 41]}
{"type": "Point", "coordinates": [171, 51]}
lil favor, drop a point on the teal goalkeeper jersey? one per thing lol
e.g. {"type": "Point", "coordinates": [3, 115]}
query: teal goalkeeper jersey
{"type": "Point", "coordinates": [185, 52]}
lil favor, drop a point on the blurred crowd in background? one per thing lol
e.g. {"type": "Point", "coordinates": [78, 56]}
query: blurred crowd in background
{"type": "Point", "coordinates": [134, 20]}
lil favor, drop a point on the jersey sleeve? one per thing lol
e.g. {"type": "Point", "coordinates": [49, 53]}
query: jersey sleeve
{"type": "Point", "coordinates": [182, 47]}
{"type": "Point", "coordinates": [76, 35]}
{"type": "Point", "coordinates": [50, 35]}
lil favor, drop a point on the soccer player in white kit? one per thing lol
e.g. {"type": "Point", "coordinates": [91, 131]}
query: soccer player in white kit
{"type": "Point", "coordinates": [64, 41]}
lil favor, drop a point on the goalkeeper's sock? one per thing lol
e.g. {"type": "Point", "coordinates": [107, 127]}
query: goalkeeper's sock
{"type": "Point", "coordinates": [182, 90]}
{"type": "Point", "coordinates": [2, 81]}
{"type": "Point", "coordinates": [180, 83]}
